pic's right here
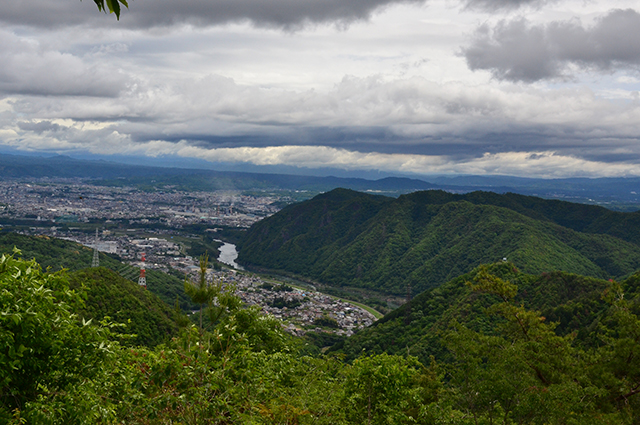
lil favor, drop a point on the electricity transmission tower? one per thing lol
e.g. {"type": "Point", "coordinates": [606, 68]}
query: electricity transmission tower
{"type": "Point", "coordinates": [142, 280]}
{"type": "Point", "coordinates": [96, 259]}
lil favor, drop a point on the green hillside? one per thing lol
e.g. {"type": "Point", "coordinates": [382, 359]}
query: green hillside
{"type": "Point", "coordinates": [293, 238]}
{"type": "Point", "coordinates": [57, 254]}
{"type": "Point", "coordinates": [347, 238]}
{"type": "Point", "coordinates": [109, 294]}
{"type": "Point", "coordinates": [572, 301]}
{"type": "Point", "coordinates": [498, 361]}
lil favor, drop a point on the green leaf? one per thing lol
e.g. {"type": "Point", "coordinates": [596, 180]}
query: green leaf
{"type": "Point", "coordinates": [112, 5]}
{"type": "Point", "coordinates": [100, 4]}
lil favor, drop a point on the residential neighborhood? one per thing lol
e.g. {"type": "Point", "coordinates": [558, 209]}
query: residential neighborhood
{"type": "Point", "coordinates": [301, 310]}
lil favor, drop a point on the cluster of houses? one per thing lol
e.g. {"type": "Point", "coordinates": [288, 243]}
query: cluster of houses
{"type": "Point", "coordinates": [301, 310]}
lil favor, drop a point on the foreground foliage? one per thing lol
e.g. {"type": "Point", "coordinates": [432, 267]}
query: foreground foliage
{"type": "Point", "coordinates": [57, 368]}
{"type": "Point", "coordinates": [112, 5]}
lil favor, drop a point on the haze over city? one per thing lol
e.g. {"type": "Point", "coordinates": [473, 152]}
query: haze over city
{"type": "Point", "coordinates": [514, 87]}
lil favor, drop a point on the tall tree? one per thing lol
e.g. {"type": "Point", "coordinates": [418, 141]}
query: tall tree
{"type": "Point", "coordinates": [201, 292]}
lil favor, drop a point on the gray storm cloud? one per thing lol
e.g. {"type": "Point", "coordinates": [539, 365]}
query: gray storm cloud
{"type": "Point", "coordinates": [87, 83]}
{"type": "Point", "coordinates": [29, 69]}
{"type": "Point", "coordinates": [518, 51]}
{"type": "Point", "coordinates": [39, 127]}
{"type": "Point", "coordinates": [413, 116]}
{"type": "Point", "coordinates": [289, 14]}
{"type": "Point", "coordinates": [494, 5]}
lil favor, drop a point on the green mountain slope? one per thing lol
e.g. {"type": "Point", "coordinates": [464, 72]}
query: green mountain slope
{"type": "Point", "coordinates": [57, 369]}
{"type": "Point", "coordinates": [299, 236]}
{"type": "Point", "coordinates": [573, 301]}
{"type": "Point", "coordinates": [109, 294]}
{"type": "Point", "coordinates": [424, 239]}
{"type": "Point", "coordinates": [57, 254]}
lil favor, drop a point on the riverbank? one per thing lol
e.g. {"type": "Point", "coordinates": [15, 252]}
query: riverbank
{"type": "Point", "coordinates": [229, 253]}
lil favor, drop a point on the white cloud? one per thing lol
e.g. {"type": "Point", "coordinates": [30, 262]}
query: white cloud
{"type": "Point", "coordinates": [413, 116]}
{"type": "Point", "coordinates": [544, 164]}
{"type": "Point", "coordinates": [30, 68]}
{"type": "Point", "coordinates": [627, 79]}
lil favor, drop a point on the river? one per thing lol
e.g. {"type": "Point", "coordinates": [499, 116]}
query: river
{"type": "Point", "coordinates": [228, 255]}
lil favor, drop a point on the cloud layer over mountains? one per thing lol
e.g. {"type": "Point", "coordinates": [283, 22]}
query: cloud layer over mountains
{"type": "Point", "coordinates": [504, 87]}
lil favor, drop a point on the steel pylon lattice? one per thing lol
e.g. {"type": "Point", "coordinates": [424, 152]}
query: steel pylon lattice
{"type": "Point", "coordinates": [96, 257]}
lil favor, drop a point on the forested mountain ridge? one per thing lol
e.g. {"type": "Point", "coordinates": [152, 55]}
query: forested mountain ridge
{"type": "Point", "coordinates": [572, 301]}
{"type": "Point", "coordinates": [107, 293]}
{"type": "Point", "coordinates": [346, 238]}
{"type": "Point", "coordinates": [336, 218]}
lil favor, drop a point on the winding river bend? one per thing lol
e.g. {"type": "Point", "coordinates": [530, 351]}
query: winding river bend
{"type": "Point", "coordinates": [228, 255]}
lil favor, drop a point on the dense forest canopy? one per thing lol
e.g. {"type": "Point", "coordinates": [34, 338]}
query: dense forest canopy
{"type": "Point", "coordinates": [421, 240]}
{"type": "Point", "coordinates": [60, 368]}
{"type": "Point", "coordinates": [513, 342]}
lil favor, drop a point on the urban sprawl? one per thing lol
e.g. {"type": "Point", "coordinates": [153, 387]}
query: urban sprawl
{"type": "Point", "coordinates": [157, 223]}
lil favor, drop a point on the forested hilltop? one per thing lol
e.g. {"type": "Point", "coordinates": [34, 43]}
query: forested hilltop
{"type": "Point", "coordinates": [573, 303]}
{"type": "Point", "coordinates": [58, 254]}
{"type": "Point", "coordinates": [496, 344]}
{"type": "Point", "coordinates": [106, 293]}
{"type": "Point", "coordinates": [498, 361]}
{"type": "Point", "coordinates": [423, 239]}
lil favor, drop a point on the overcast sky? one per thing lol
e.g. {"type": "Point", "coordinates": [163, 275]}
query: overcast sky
{"type": "Point", "coordinates": [516, 87]}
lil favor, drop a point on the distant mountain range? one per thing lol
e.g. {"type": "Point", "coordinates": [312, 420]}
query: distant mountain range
{"type": "Point", "coordinates": [345, 238]}
{"type": "Point", "coordinates": [616, 193]}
